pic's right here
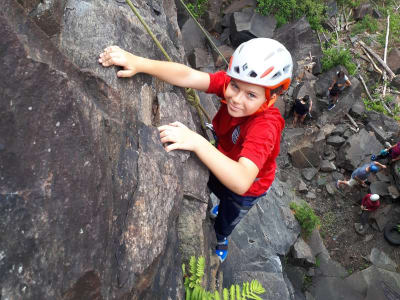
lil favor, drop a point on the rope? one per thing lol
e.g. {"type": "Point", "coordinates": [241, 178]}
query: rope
{"type": "Point", "coordinates": [204, 32]}
{"type": "Point", "coordinates": [191, 95]}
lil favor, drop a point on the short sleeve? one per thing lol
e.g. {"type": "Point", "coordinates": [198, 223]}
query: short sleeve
{"type": "Point", "coordinates": [218, 82]}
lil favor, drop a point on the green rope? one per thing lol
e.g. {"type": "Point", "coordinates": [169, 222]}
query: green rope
{"type": "Point", "coordinates": [205, 33]}
{"type": "Point", "coordinates": [191, 95]}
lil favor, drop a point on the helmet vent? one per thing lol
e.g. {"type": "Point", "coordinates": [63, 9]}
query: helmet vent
{"type": "Point", "coordinates": [277, 74]}
{"type": "Point", "coordinates": [286, 69]}
{"type": "Point", "coordinates": [237, 69]}
{"type": "Point", "coordinates": [253, 74]}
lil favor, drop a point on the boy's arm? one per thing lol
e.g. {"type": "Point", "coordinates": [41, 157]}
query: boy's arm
{"type": "Point", "coordinates": [170, 72]}
{"type": "Point", "coordinates": [237, 176]}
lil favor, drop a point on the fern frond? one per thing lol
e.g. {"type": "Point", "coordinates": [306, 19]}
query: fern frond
{"type": "Point", "coordinates": [183, 270]}
{"type": "Point", "coordinates": [188, 292]}
{"type": "Point", "coordinates": [196, 293]}
{"type": "Point", "coordinates": [201, 263]}
{"type": "Point", "coordinates": [232, 292]}
{"type": "Point", "coordinates": [256, 287]}
{"type": "Point", "coordinates": [238, 297]}
{"type": "Point", "coordinates": [226, 294]}
{"type": "Point", "coordinates": [217, 296]}
{"type": "Point", "coordinates": [192, 265]}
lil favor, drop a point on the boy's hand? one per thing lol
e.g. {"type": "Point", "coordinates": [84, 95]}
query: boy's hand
{"type": "Point", "coordinates": [179, 137]}
{"type": "Point", "coordinates": [115, 56]}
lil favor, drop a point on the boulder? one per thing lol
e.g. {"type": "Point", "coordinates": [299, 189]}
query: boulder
{"type": "Point", "coordinates": [302, 253]}
{"type": "Point", "coordinates": [200, 58]}
{"type": "Point", "coordinates": [357, 150]}
{"type": "Point", "coordinates": [382, 260]}
{"type": "Point", "coordinates": [393, 60]}
{"type": "Point", "coordinates": [335, 140]}
{"type": "Point", "coordinates": [309, 173]}
{"type": "Point", "coordinates": [238, 5]}
{"type": "Point", "coordinates": [299, 39]}
{"type": "Point", "coordinates": [380, 188]}
{"type": "Point", "coordinates": [327, 166]}
{"type": "Point", "coordinates": [192, 36]}
{"type": "Point", "coordinates": [248, 24]}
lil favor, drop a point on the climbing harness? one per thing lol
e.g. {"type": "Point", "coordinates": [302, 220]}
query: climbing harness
{"type": "Point", "coordinates": [191, 96]}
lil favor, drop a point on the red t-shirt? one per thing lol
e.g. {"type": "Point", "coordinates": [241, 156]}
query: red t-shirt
{"type": "Point", "coordinates": [395, 151]}
{"type": "Point", "coordinates": [256, 137]}
{"type": "Point", "coordinates": [368, 204]}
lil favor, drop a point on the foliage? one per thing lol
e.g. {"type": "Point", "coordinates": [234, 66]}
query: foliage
{"type": "Point", "coordinates": [306, 217]}
{"type": "Point", "coordinates": [377, 106]}
{"type": "Point", "coordinates": [334, 56]}
{"type": "Point", "coordinates": [398, 227]}
{"type": "Point", "coordinates": [198, 8]}
{"type": "Point", "coordinates": [288, 10]}
{"type": "Point", "coordinates": [368, 23]}
{"type": "Point", "coordinates": [194, 290]}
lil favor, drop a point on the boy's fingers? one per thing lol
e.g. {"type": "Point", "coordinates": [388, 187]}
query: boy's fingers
{"type": "Point", "coordinates": [171, 147]}
{"type": "Point", "coordinates": [125, 73]}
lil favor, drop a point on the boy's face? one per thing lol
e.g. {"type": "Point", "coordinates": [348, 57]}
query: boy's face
{"type": "Point", "coordinates": [243, 99]}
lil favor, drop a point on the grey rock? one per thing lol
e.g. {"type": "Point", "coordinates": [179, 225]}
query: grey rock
{"type": "Point", "coordinates": [327, 166]}
{"type": "Point", "coordinates": [299, 39]}
{"type": "Point", "coordinates": [348, 133]}
{"type": "Point", "coordinates": [330, 189]}
{"type": "Point", "coordinates": [361, 281]}
{"type": "Point", "coordinates": [295, 275]}
{"type": "Point", "coordinates": [334, 288]}
{"type": "Point", "coordinates": [248, 24]}
{"type": "Point", "coordinates": [317, 244]}
{"type": "Point", "coordinates": [357, 150]}
{"type": "Point", "coordinates": [395, 82]}
{"type": "Point", "coordinates": [311, 195]}
{"type": "Point", "coordinates": [361, 11]}
{"type": "Point", "coordinates": [302, 187]}
{"type": "Point", "coordinates": [335, 140]}
{"type": "Point", "coordinates": [381, 217]}
{"type": "Point", "coordinates": [329, 268]}
{"type": "Point", "coordinates": [332, 9]}
{"type": "Point", "coordinates": [309, 173]}
{"type": "Point", "coordinates": [238, 5]}
{"type": "Point", "coordinates": [192, 36]}
{"type": "Point", "coordinates": [393, 60]}
{"type": "Point", "coordinates": [376, 13]}
{"type": "Point", "coordinates": [382, 260]}
{"type": "Point", "coordinates": [200, 58]}
{"type": "Point", "coordinates": [302, 253]}
{"type": "Point", "coordinates": [380, 188]}
{"type": "Point", "coordinates": [380, 132]}
{"type": "Point", "coordinates": [393, 192]}
{"type": "Point", "coordinates": [337, 176]}
{"type": "Point", "coordinates": [340, 129]}
{"type": "Point", "coordinates": [383, 177]}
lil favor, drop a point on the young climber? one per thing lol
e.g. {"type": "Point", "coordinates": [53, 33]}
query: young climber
{"type": "Point", "coordinates": [302, 107]}
{"type": "Point", "coordinates": [360, 175]}
{"type": "Point", "coordinates": [247, 125]}
{"type": "Point", "coordinates": [336, 88]}
{"type": "Point", "coordinates": [369, 203]}
{"type": "Point", "coordinates": [393, 153]}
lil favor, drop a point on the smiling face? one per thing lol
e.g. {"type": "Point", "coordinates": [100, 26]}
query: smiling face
{"type": "Point", "coordinates": [243, 99]}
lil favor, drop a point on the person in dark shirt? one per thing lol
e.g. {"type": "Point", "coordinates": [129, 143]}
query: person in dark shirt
{"type": "Point", "coordinates": [392, 153]}
{"type": "Point", "coordinates": [302, 107]}
{"type": "Point", "coordinates": [337, 86]}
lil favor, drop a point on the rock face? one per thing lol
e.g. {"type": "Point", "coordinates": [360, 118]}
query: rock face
{"type": "Point", "coordinates": [88, 197]}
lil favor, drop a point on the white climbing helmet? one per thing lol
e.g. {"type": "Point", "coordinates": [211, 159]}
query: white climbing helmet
{"type": "Point", "coordinates": [262, 61]}
{"type": "Point", "coordinates": [374, 197]}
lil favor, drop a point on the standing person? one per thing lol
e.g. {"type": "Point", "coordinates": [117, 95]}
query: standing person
{"type": "Point", "coordinates": [393, 153]}
{"type": "Point", "coordinates": [302, 107]}
{"type": "Point", "coordinates": [360, 175]}
{"type": "Point", "coordinates": [336, 88]}
{"type": "Point", "coordinates": [369, 203]}
{"type": "Point", "coordinates": [248, 127]}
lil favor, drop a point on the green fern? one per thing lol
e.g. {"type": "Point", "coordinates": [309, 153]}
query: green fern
{"type": "Point", "coordinates": [194, 290]}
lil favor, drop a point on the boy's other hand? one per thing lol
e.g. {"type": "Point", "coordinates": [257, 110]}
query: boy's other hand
{"type": "Point", "coordinates": [115, 56]}
{"type": "Point", "coordinates": [178, 136]}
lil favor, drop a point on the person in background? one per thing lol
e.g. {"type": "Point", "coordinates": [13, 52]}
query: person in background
{"type": "Point", "coordinates": [393, 153]}
{"type": "Point", "coordinates": [360, 175]}
{"type": "Point", "coordinates": [369, 203]}
{"type": "Point", "coordinates": [335, 89]}
{"type": "Point", "coordinates": [302, 107]}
